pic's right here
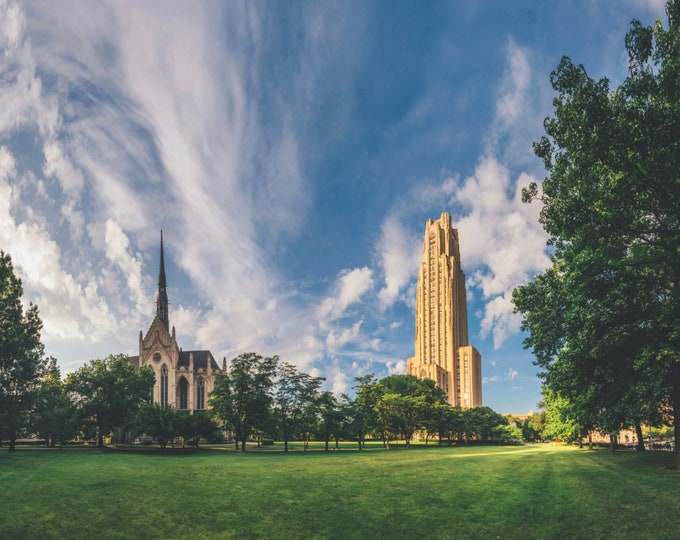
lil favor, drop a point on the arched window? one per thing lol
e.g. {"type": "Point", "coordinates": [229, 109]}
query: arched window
{"type": "Point", "coordinates": [200, 394]}
{"type": "Point", "coordinates": [164, 385]}
{"type": "Point", "coordinates": [183, 393]}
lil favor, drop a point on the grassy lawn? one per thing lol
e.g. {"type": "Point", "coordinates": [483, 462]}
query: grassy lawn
{"type": "Point", "coordinates": [541, 491]}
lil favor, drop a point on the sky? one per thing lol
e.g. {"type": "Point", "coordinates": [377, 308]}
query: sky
{"type": "Point", "coordinates": [291, 153]}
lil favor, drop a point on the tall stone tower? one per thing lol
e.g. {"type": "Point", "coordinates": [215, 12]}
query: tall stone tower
{"type": "Point", "coordinates": [442, 352]}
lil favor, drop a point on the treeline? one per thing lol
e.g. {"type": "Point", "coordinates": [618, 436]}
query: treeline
{"type": "Point", "coordinates": [264, 398]}
{"type": "Point", "coordinates": [105, 399]}
{"type": "Point", "coordinates": [257, 399]}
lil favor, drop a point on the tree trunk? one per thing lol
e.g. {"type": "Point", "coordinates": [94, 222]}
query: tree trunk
{"type": "Point", "coordinates": [612, 444]}
{"type": "Point", "coordinates": [12, 441]}
{"type": "Point", "coordinates": [590, 441]}
{"type": "Point", "coordinates": [243, 444]}
{"type": "Point", "coordinates": [640, 447]}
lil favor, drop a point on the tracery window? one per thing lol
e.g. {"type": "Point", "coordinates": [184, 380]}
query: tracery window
{"type": "Point", "coordinates": [200, 393]}
{"type": "Point", "coordinates": [164, 385]}
{"type": "Point", "coordinates": [183, 393]}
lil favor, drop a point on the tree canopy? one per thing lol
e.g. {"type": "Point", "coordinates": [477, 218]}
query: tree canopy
{"type": "Point", "coordinates": [242, 397]}
{"type": "Point", "coordinates": [604, 320]}
{"type": "Point", "coordinates": [21, 353]}
{"type": "Point", "coordinates": [109, 392]}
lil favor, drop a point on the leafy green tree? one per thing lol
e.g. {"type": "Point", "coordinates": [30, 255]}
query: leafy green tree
{"type": "Point", "coordinates": [242, 397]}
{"type": "Point", "coordinates": [562, 418]}
{"type": "Point", "coordinates": [607, 312]}
{"type": "Point", "coordinates": [202, 426]}
{"type": "Point", "coordinates": [295, 400]}
{"type": "Point", "coordinates": [54, 415]}
{"type": "Point", "coordinates": [481, 421]}
{"type": "Point", "coordinates": [401, 416]}
{"type": "Point", "coordinates": [406, 404]}
{"type": "Point", "coordinates": [532, 427]}
{"type": "Point", "coordinates": [332, 415]}
{"type": "Point", "coordinates": [109, 391]}
{"type": "Point", "coordinates": [363, 413]}
{"type": "Point", "coordinates": [163, 423]}
{"type": "Point", "coordinates": [21, 354]}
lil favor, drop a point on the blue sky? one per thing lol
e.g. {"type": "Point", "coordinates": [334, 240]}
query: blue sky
{"type": "Point", "coordinates": [292, 153]}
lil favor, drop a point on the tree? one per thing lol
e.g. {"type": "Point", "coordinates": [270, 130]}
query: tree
{"type": "Point", "coordinates": [445, 420]}
{"type": "Point", "coordinates": [607, 313]}
{"type": "Point", "coordinates": [406, 403]}
{"type": "Point", "coordinates": [363, 408]}
{"type": "Point", "coordinates": [562, 419]}
{"type": "Point", "coordinates": [242, 396]}
{"type": "Point", "coordinates": [54, 415]}
{"type": "Point", "coordinates": [193, 426]}
{"type": "Point", "coordinates": [21, 353]}
{"type": "Point", "coordinates": [295, 401]}
{"type": "Point", "coordinates": [109, 391]}
{"type": "Point", "coordinates": [159, 421]}
{"type": "Point", "coordinates": [481, 421]}
{"type": "Point", "coordinates": [400, 416]}
{"type": "Point", "coordinates": [332, 414]}
{"type": "Point", "coordinates": [533, 426]}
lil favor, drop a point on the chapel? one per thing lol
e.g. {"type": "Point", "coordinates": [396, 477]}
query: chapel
{"type": "Point", "coordinates": [184, 379]}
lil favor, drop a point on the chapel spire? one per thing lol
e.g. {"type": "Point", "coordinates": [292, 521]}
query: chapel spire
{"type": "Point", "coordinates": [162, 298]}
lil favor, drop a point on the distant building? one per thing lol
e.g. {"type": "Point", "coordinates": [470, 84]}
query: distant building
{"type": "Point", "coordinates": [184, 379]}
{"type": "Point", "coordinates": [442, 351]}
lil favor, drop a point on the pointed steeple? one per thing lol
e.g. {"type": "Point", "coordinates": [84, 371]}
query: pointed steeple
{"type": "Point", "coordinates": [162, 298]}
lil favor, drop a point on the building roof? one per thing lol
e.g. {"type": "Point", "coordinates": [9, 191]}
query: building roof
{"type": "Point", "coordinates": [201, 359]}
{"type": "Point", "coordinates": [135, 361]}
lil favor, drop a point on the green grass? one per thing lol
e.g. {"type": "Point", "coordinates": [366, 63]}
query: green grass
{"type": "Point", "coordinates": [541, 491]}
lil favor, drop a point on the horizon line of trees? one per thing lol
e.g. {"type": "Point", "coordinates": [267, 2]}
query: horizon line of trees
{"type": "Point", "coordinates": [258, 397]}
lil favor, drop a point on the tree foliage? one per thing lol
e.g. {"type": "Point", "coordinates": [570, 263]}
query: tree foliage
{"type": "Point", "coordinates": [54, 416]}
{"type": "Point", "coordinates": [604, 320]}
{"type": "Point", "coordinates": [109, 391]}
{"type": "Point", "coordinates": [295, 402]}
{"type": "Point", "coordinates": [242, 397]}
{"type": "Point", "coordinates": [21, 354]}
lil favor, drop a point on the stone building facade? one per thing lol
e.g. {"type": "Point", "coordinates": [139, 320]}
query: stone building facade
{"type": "Point", "coordinates": [442, 351]}
{"type": "Point", "coordinates": [184, 379]}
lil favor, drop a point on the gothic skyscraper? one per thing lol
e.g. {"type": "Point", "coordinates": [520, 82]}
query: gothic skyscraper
{"type": "Point", "coordinates": [442, 351]}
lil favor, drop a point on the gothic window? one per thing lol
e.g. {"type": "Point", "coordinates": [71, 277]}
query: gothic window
{"type": "Point", "coordinates": [183, 393]}
{"type": "Point", "coordinates": [200, 394]}
{"type": "Point", "coordinates": [157, 357]}
{"type": "Point", "coordinates": [164, 385]}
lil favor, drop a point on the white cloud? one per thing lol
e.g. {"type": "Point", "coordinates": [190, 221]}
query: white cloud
{"type": "Point", "coordinates": [347, 335]}
{"type": "Point", "coordinates": [348, 289]}
{"type": "Point", "coordinates": [396, 367]}
{"type": "Point", "coordinates": [514, 85]}
{"type": "Point", "coordinates": [118, 252]}
{"type": "Point", "coordinates": [57, 164]}
{"type": "Point", "coordinates": [399, 255]}
{"type": "Point", "coordinates": [512, 374]}
{"type": "Point", "coordinates": [501, 241]}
